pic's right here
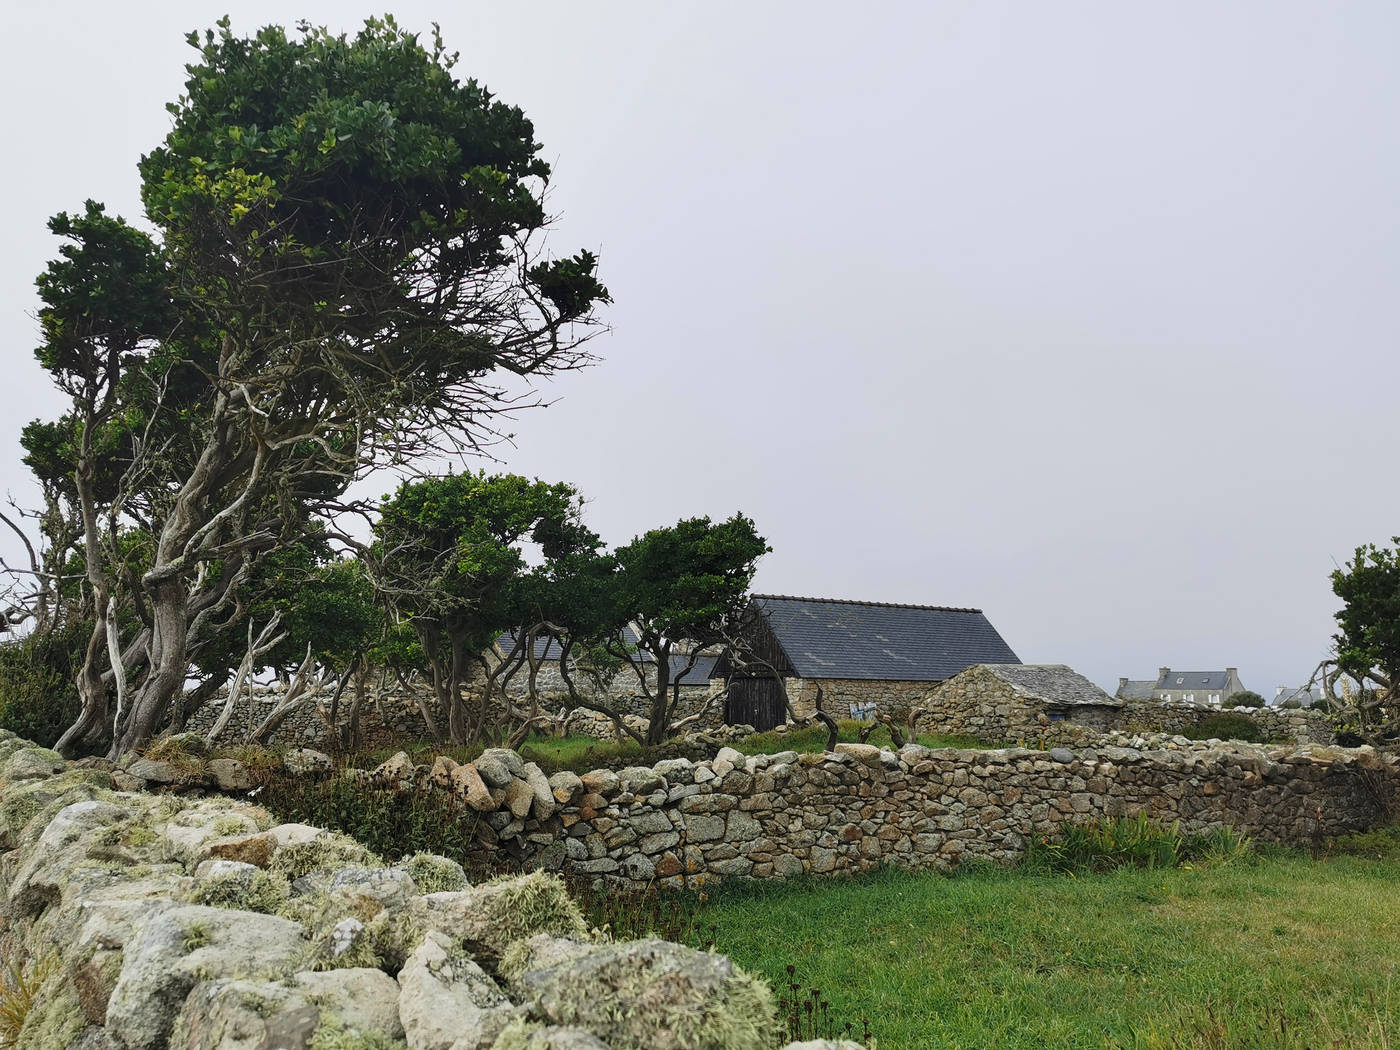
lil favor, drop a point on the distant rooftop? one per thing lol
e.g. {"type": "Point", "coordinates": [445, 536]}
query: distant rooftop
{"type": "Point", "coordinates": [1193, 679]}
{"type": "Point", "coordinates": [880, 641]}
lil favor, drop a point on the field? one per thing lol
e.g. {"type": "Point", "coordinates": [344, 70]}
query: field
{"type": "Point", "coordinates": [1284, 952]}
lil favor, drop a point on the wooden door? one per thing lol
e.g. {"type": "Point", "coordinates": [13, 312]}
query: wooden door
{"type": "Point", "coordinates": [757, 702]}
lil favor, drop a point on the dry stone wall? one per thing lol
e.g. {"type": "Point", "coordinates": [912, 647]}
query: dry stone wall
{"type": "Point", "coordinates": [1276, 723]}
{"type": "Point", "coordinates": [160, 922]}
{"type": "Point", "coordinates": [681, 822]}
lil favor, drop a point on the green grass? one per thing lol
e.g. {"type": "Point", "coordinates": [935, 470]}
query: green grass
{"type": "Point", "coordinates": [583, 753]}
{"type": "Point", "coordinates": [550, 753]}
{"type": "Point", "coordinates": [1283, 952]}
{"type": "Point", "coordinates": [813, 739]}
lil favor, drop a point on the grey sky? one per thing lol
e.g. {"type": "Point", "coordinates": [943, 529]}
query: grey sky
{"type": "Point", "coordinates": [1084, 314]}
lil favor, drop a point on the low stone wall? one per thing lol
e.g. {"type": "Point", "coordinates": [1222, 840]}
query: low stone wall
{"type": "Point", "coordinates": [682, 822]}
{"type": "Point", "coordinates": [1276, 723]}
{"type": "Point", "coordinates": [980, 704]}
{"type": "Point", "coordinates": [392, 718]}
{"type": "Point", "coordinates": [168, 923]}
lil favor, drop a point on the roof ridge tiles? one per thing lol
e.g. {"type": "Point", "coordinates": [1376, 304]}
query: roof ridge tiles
{"type": "Point", "coordinates": [876, 605]}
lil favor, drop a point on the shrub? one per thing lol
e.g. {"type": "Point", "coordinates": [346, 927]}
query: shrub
{"type": "Point", "coordinates": [1244, 698]}
{"type": "Point", "coordinates": [393, 824]}
{"type": "Point", "coordinates": [1230, 726]}
{"type": "Point", "coordinates": [1130, 842]}
{"type": "Point", "coordinates": [1380, 844]}
{"type": "Point", "coordinates": [38, 698]}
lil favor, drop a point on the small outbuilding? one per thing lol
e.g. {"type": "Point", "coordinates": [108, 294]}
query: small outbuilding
{"type": "Point", "coordinates": [1004, 702]}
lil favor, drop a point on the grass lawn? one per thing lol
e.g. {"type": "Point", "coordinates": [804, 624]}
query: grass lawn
{"type": "Point", "coordinates": [1284, 953]}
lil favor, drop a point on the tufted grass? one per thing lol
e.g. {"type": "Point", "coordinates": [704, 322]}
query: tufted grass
{"type": "Point", "coordinates": [1282, 953]}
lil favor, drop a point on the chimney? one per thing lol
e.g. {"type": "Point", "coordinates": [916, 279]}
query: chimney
{"type": "Point", "coordinates": [1122, 684]}
{"type": "Point", "coordinates": [1162, 672]}
{"type": "Point", "coordinates": [1279, 691]}
{"type": "Point", "coordinates": [1232, 670]}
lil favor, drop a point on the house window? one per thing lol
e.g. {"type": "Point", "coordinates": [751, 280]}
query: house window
{"type": "Point", "coordinates": [1057, 716]}
{"type": "Point", "coordinates": [1190, 698]}
{"type": "Point", "coordinates": [1181, 681]}
{"type": "Point", "coordinates": [1215, 698]}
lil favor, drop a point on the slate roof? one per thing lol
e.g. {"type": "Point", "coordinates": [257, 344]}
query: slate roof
{"type": "Point", "coordinates": [833, 638]}
{"type": "Point", "coordinates": [1137, 690]}
{"type": "Point", "coordinates": [1055, 684]}
{"type": "Point", "coordinates": [547, 648]}
{"type": "Point", "coordinates": [550, 649]}
{"type": "Point", "coordinates": [1306, 697]}
{"type": "Point", "coordinates": [700, 674]}
{"type": "Point", "coordinates": [1193, 680]}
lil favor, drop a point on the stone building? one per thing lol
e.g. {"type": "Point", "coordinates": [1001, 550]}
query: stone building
{"type": "Point", "coordinates": [1001, 702]}
{"type": "Point", "coordinates": [865, 656]}
{"type": "Point", "coordinates": [1186, 686]}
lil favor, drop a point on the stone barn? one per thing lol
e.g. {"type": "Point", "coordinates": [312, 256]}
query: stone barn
{"type": "Point", "coordinates": [1008, 702]}
{"type": "Point", "coordinates": [865, 656]}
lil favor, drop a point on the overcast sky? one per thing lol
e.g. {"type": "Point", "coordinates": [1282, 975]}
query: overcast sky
{"type": "Point", "coordinates": [1083, 314]}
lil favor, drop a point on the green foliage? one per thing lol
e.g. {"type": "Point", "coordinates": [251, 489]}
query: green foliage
{"type": "Point", "coordinates": [1369, 635]}
{"type": "Point", "coordinates": [1230, 726]}
{"type": "Point", "coordinates": [197, 935]}
{"type": "Point", "coordinates": [1128, 842]}
{"type": "Point", "coordinates": [334, 1035]}
{"type": "Point", "coordinates": [391, 824]}
{"type": "Point", "coordinates": [38, 699]}
{"type": "Point", "coordinates": [1380, 844]}
{"type": "Point", "coordinates": [683, 582]}
{"type": "Point", "coordinates": [340, 255]}
{"type": "Point", "coordinates": [1244, 698]}
{"type": "Point", "coordinates": [54, 1017]}
{"type": "Point", "coordinates": [452, 547]}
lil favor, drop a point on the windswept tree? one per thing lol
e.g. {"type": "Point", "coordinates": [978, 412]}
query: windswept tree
{"type": "Point", "coordinates": [344, 260]}
{"type": "Point", "coordinates": [680, 588]}
{"type": "Point", "coordinates": [451, 557]}
{"type": "Point", "coordinates": [1359, 684]}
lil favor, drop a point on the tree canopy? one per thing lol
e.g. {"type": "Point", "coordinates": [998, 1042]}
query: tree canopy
{"type": "Point", "coordinates": [1367, 646]}
{"type": "Point", "coordinates": [343, 260]}
{"type": "Point", "coordinates": [450, 556]}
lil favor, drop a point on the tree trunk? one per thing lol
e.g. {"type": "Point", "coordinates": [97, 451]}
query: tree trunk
{"type": "Point", "coordinates": [660, 720]}
{"type": "Point", "coordinates": [91, 725]}
{"type": "Point", "coordinates": [169, 665]}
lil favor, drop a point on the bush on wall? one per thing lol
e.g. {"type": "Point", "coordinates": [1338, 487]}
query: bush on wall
{"type": "Point", "coordinates": [1228, 726]}
{"type": "Point", "coordinates": [1244, 698]}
